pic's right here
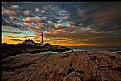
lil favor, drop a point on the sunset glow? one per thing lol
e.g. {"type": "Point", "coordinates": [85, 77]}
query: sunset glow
{"type": "Point", "coordinates": [63, 23]}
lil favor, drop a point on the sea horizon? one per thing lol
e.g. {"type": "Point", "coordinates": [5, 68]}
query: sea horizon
{"type": "Point", "coordinates": [108, 48]}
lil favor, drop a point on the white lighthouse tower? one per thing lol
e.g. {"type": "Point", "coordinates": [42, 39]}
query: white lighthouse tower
{"type": "Point", "coordinates": [42, 40]}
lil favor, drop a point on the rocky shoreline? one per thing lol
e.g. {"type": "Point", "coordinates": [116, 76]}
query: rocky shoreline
{"type": "Point", "coordinates": [76, 66]}
{"type": "Point", "coordinates": [12, 50]}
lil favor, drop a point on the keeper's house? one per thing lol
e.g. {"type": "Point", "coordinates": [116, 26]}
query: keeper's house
{"type": "Point", "coordinates": [28, 42]}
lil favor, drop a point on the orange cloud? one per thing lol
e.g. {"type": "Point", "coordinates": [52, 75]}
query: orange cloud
{"type": "Point", "coordinates": [56, 32]}
{"type": "Point", "coordinates": [10, 12]}
{"type": "Point", "coordinates": [27, 24]}
{"type": "Point", "coordinates": [39, 26]}
{"type": "Point", "coordinates": [33, 29]}
{"type": "Point", "coordinates": [58, 25]}
{"type": "Point", "coordinates": [67, 42]}
{"type": "Point", "coordinates": [36, 19]}
{"type": "Point", "coordinates": [5, 39]}
{"type": "Point", "coordinates": [27, 20]}
{"type": "Point", "coordinates": [30, 19]}
{"type": "Point", "coordinates": [77, 44]}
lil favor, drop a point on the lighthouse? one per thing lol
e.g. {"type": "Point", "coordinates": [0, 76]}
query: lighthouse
{"type": "Point", "coordinates": [42, 41]}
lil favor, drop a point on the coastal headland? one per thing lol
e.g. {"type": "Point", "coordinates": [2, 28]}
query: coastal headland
{"type": "Point", "coordinates": [15, 49]}
{"type": "Point", "coordinates": [74, 66]}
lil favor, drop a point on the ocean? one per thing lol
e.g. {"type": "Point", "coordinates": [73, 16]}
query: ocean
{"type": "Point", "coordinates": [113, 49]}
{"type": "Point", "coordinates": [109, 48]}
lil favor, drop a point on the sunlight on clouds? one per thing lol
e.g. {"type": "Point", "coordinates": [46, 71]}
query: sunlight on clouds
{"type": "Point", "coordinates": [36, 19]}
{"type": "Point", "coordinates": [5, 39]}
{"type": "Point", "coordinates": [10, 12]}
{"type": "Point", "coordinates": [27, 20]}
{"type": "Point", "coordinates": [58, 25]}
{"type": "Point", "coordinates": [27, 24]}
{"type": "Point", "coordinates": [64, 24]}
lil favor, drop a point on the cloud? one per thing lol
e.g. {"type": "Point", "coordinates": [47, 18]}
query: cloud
{"type": "Point", "coordinates": [13, 36]}
{"type": "Point", "coordinates": [82, 13]}
{"type": "Point", "coordinates": [26, 36]}
{"type": "Point", "coordinates": [96, 32]}
{"type": "Point", "coordinates": [33, 29]}
{"type": "Point", "coordinates": [102, 16]}
{"type": "Point", "coordinates": [61, 14]}
{"type": "Point", "coordinates": [27, 24]}
{"type": "Point", "coordinates": [16, 39]}
{"type": "Point", "coordinates": [56, 31]}
{"type": "Point", "coordinates": [39, 26]}
{"type": "Point", "coordinates": [58, 25]}
{"type": "Point", "coordinates": [85, 38]}
{"type": "Point", "coordinates": [106, 40]}
{"type": "Point", "coordinates": [92, 24]}
{"type": "Point", "coordinates": [70, 29]}
{"type": "Point", "coordinates": [59, 38]}
{"type": "Point", "coordinates": [14, 6]}
{"type": "Point", "coordinates": [37, 10]}
{"type": "Point", "coordinates": [31, 19]}
{"type": "Point", "coordinates": [36, 19]}
{"type": "Point", "coordinates": [85, 29]}
{"type": "Point", "coordinates": [11, 32]}
{"type": "Point", "coordinates": [7, 28]}
{"type": "Point", "coordinates": [26, 12]}
{"type": "Point", "coordinates": [33, 24]}
{"type": "Point", "coordinates": [10, 12]}
{"type": "Point", "coordinates": [20, 36]}
{"type": "Point", "coordinates": [27, 20]}
{"type": "Point", "coordinates": [50, 22]}
{"type": "Point", "coordinates": [11, 18]}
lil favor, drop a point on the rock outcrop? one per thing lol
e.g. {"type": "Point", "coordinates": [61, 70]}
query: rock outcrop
{"type": "Point", "coordinates": [76, 66]}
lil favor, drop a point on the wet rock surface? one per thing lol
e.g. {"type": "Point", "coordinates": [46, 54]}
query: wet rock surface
{"type": "Point", "coordinates": [76, 66]}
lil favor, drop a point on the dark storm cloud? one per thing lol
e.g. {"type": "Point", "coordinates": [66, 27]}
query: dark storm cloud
{"type": "Point", "coordinates": [91, 38]}
{"type": "Point", "coordinates": [16, 39]}
{"type": "Point", "coordinates": [107, 19]}
{"type": "Point", "coordinates": [106, 40]}
{"type": "Point", "coordinates": [104, 16]}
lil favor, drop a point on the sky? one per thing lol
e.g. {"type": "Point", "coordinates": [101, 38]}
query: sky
{"type": "Point", "coordinates": [63, 23]}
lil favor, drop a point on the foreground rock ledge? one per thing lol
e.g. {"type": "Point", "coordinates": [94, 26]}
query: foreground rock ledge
{"type": "Point", "coordinates": [76, 66]}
